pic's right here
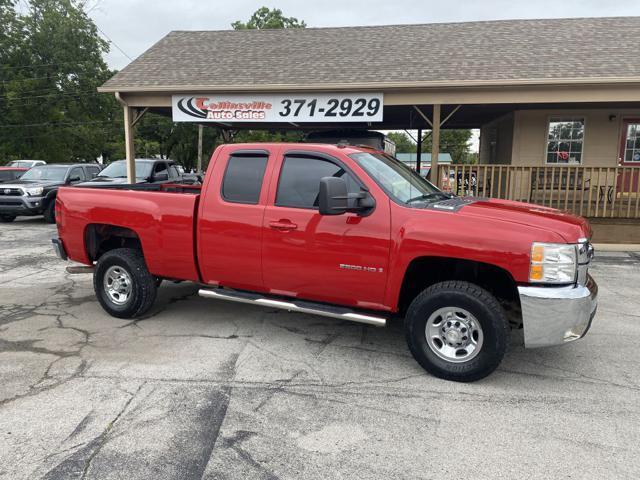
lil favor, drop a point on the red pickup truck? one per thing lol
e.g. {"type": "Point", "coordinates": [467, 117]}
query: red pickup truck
{"type": "Point", "coordinates": [345, 232]}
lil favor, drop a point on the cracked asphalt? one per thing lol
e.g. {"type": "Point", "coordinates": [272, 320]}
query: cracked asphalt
{"type": "Point", "coordinates": [212, 390]}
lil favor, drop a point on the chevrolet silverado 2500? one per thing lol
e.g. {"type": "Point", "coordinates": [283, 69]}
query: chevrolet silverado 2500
{"type": "Point", "coordinates": [345, 232]}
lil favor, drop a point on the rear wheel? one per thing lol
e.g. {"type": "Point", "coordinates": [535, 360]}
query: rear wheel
{"type": "Point", "coordinates": [122, 283]}
{"type": "Point", "coordinates": [7, 218]}
{"type": "Point", "coordinates": [49, 212]}
{"type": "Point", "coordinates": [457, 331]}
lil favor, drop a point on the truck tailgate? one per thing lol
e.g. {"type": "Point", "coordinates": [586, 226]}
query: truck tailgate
{"type": "Point", "coordinates": [163, 221]}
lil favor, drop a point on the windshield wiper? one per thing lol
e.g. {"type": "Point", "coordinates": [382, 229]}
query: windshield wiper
{"type": "Point", "coordinates": [427, 196]}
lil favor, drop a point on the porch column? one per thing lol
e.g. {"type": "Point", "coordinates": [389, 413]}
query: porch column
{"type": "Point", "coordinates": [129, 145]}
{"type": "Point", "coordinates": [435, 146]}
{"type": "Point", "coordinates": [419, 151]}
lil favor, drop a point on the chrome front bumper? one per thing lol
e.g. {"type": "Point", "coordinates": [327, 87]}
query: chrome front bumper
{"type": "Point", "coordinates": [556, 315]}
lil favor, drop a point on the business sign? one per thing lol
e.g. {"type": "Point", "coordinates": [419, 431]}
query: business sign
{"type": "Point", "coordinates": [288, 108]}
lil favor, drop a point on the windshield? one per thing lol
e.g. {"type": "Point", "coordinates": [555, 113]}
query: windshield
{"type": "Point", "coordinates": [399, 181]}
{"type": "Point", "coordinates": [119, 170]}
{"type": "Point", "coordinates": [8, 175]}
{"type": "Point", "coordinates": [54, 174]}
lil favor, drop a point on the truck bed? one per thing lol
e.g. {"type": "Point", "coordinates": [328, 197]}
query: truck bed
{"type": "Point", "coordinates": [162, 216]}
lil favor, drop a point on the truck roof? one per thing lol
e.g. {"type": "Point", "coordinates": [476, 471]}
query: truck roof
{"type": "Point", "coordinates": [322, 147]}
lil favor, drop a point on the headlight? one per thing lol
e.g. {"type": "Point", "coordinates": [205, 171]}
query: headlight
{"type": "Point", "coordinates": [34, 191]}
{"type": "Point", "coordinates": [553, 263]}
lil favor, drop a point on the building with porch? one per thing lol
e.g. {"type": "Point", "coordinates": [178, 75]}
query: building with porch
{"type": "Point", "coordinates": [557, 102]}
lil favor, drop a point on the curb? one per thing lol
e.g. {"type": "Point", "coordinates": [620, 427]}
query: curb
{"type": "Point", "coordinates": [617, 247]}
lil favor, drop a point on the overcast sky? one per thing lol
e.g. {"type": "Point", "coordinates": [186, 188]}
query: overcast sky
{"type": "Point", "coordinates": [135, 25]}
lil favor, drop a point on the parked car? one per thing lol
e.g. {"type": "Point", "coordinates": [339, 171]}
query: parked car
{"type": "Point", "coordinates": [34, 193]}
{"type": "Point", "coordinates": [26, 163]}
{"type": "Point", "coordinates": [147, 171]}
{"type": "Point", "coordinates": [349, 233]}
{"type": "Point", "coordinates": [8, 174]}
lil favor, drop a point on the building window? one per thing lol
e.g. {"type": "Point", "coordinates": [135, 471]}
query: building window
{"type": "Point", "coordinates": [632, 144]}
{"type": "Point", "coordinates": [564, 140]}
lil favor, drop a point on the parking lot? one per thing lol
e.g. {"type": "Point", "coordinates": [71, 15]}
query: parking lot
{"type": "Point", "coordinates": [206, 389]}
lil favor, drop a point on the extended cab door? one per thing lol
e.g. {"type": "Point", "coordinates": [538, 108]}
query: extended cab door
{"type": "Point", "coordinates": [230, 218]}
{"type": "Point", "coordinates": [340, 259]}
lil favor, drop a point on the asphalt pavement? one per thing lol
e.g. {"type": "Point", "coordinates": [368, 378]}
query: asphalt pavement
{"type": "Point", "coordinates": [213, 390]}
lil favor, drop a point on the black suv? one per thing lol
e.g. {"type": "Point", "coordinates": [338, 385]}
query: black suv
{"type": "Point", "coordinates": [35, 192]}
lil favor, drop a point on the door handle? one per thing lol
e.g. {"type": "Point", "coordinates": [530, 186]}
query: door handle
{"type": "Point", "coordinates": [283, 225]}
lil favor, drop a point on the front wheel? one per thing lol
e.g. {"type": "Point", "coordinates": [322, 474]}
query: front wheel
{"type": "Point", "coordinates": [457, 331]}
{"type": "Point", "coordinates": [7, 218]}
{"type": "Point", "coordinates": [122, 283]}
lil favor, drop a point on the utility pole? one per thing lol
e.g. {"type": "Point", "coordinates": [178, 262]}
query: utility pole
{"type": "Point", "coordinates": [199, 168]}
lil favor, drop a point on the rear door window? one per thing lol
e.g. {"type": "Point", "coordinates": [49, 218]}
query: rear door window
{"type": "Point", "coordinates": [92, 171]}
{"type": "Point", "coordinates": [173, 172]}
{"type": "Point", "coordinates": [160, 168]}
{"type": "Point", "coordinates": [243, 178]}
{"type": "Point", "coordinates": [77, 172]}
{"type": "Point", "coordinates": [299, 184]}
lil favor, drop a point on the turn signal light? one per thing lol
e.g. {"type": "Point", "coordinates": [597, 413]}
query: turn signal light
{"type": "Point", "coordinates": [536, 273]}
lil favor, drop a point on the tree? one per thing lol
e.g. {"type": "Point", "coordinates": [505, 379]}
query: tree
{"type": "Point", "coordinates": [454, 142]}
{"type": "Point", "coordinates": [265, 18]}
{"type": "Point", "coordinates": [403, 142]}
{"type": "Point", "coordinates": [51, 64]}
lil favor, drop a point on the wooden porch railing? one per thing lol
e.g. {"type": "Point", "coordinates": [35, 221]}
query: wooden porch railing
{"type": "Point", "coordinates": [602, 192]}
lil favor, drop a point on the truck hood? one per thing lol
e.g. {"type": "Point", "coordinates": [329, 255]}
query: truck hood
{"type": "Point", "coordinates": [570, 227]}
{"type": "Point", "coordinates": [32, 183]}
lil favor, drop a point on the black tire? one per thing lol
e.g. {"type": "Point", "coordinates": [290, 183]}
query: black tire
{"type": "Point", "coordinates": [7, 218]}
{"type": "Point", "coordinates": [49, 212]}
{"type": "Point", "coordinates": [476, 301]}
{"type": "Point", "coordinates": [143, 285]}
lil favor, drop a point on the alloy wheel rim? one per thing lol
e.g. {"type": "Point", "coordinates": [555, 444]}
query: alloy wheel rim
{"type": "Point", "coordinates": [454, 334]}
{"type": "Point", "coordinates": [117, 285]}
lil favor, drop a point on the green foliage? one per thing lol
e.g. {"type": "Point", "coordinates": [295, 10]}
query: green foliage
{"type": "Point", "coordinates": [265, 18]}
{"type": "Point", "coordinates": [403, 142]}
{"type": "Point", "coordinates": [50, 66]}
{"type": "Point", "coordinates": [455, 142]}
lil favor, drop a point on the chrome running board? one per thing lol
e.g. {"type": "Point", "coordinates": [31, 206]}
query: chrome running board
{"type": "Point", "coordinates": [312, 308]}
{"type": "Point", "coordinates": [76, 269]}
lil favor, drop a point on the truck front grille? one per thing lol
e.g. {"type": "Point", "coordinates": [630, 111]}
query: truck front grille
{"type": "Point", "coordinates": [10, 192]}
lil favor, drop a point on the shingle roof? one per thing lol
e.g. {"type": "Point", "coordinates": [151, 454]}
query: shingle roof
{"type": "Point", "coordinates": [494, 52]}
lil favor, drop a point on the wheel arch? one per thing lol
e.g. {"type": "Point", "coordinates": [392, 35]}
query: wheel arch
{"type": "Point", "coordinates": [100, 238]}
{"type": "Point", "coordinates": [424, 271]}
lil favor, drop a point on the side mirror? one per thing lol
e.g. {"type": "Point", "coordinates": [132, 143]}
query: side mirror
{"type": "Point", "coordinates": [333, 198]}
{"type": "Point", "coordinates": [161, 177]}
{"type": "Point", "coordinates": [73, 179]}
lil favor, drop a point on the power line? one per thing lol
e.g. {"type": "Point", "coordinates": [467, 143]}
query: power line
{"type": "Point", "coordinates": [91, 122]}
{"type": "Point", "coordinates": [113, 43]}
{"type": "Point", "coordinates": [47, 124]}
{"type": "Point", "coordinates": [29, 79]}
{"type": "Point", "coordinates": [9, 66]}
{"type": "Point", "coordinates": [61, 94]}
